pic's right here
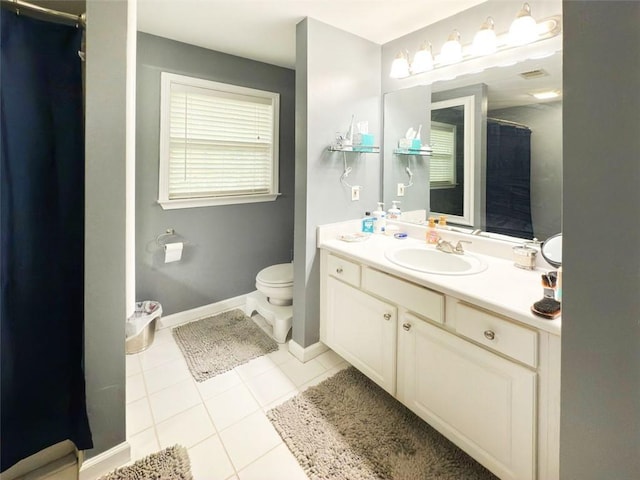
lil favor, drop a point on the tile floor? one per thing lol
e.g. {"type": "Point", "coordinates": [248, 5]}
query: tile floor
{"type": "Point", "coordinates": [222, 421]}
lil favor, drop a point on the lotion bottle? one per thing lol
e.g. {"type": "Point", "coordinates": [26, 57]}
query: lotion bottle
{"type": "Point", "coordinates": [432, 236]}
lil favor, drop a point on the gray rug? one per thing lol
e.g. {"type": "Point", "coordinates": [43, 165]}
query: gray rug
{"type": "Point", "coordinates": [217, 344]}
{"type": "Point", "coordinates": [172, 463]}
{"type": "Point", "coordinates": [349, 428]}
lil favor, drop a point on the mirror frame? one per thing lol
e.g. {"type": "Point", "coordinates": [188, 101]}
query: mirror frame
{"type": "Point", "coordinates": [468, 104]}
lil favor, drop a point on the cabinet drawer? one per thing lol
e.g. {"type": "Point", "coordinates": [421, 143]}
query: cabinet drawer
{"type": "Point", "coordinates": [505, 337]}
{"type": "Point", "coordinates": [418, 299]}
{"type": "Point", "coordinates": [345, 270]}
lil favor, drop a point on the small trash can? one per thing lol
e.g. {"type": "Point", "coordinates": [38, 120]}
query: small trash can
{"type": "Point", "coordinates": [141, 326]}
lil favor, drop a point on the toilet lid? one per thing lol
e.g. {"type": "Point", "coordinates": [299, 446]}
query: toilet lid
{"type": "Point", "coordinates": [276, 274]}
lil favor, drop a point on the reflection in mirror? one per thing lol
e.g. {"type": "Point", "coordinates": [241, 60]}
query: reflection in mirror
{"type": "Point", "coordinates": [511, 109]}
{"type": "Point", "coordinates": [452, 163]}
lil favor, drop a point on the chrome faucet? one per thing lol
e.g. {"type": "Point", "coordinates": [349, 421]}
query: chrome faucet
{"type": "Point", "coordinates": [447, 247]}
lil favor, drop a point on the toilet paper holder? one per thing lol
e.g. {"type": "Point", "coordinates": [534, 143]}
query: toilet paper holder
{"type": "Point", "coordinates": [162, 239]}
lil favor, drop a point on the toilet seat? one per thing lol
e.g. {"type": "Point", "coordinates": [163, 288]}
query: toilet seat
{"type": "Point", "coordinates": [280, 275]}
{"type": "Point", "coordinates": [276, 282]}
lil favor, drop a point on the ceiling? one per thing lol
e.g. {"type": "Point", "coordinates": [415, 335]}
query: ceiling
{"type": "Point", "coordinates": [264, 30]}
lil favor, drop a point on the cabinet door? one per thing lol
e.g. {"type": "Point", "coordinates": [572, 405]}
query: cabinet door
{"type": "Point", "coordinates": [482, 402]}
{"type": "Point", "coordinates": [362, 329]}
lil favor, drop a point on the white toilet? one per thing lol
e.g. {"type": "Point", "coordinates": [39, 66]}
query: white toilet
{"type": "Point", "coordinates": [273, 300]}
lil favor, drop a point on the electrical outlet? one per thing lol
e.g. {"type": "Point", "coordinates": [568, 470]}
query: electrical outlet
{"type": "Point", "coordinates": [355, 193]}
{"type": "Point", "coordinates": [400, 192]}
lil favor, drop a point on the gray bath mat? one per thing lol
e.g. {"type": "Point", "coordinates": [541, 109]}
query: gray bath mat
{"type": "Point", "coordinates": [349, 428]}
{"type": "Point", "coordinates": [217, 344]}
{"type": "Point", "coordinates": [169, 464]}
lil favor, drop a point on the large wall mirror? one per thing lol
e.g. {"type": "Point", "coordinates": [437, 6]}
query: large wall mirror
{"type": "Point", "coordinates": [514, 168]}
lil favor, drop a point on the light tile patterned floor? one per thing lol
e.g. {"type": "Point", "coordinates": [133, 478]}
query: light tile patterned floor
{"type": "Point", "coordinates": [222, 421]}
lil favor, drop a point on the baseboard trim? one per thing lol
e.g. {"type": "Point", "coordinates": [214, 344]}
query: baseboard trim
{"type": "Point", "coordinates": [105, 462]}
{"type": "Point", "coordinates": [197, 313]}
{"type": "Point", "coordinates": [304, 354]}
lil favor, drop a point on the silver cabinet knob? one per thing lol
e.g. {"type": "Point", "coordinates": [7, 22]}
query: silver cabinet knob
{"type": "Point", "coordinates": [339, 270]}
{"type": "Point", "coordinates": [387, 316]}
{"type": "Point", "coordinates": [489, 334]}
{"type": "Point", "coordinates": [406, 326]}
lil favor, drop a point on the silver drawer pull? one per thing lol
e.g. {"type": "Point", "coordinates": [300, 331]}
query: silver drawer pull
{"type": "Point", "coordinates": [489, 334]}
{"type": "Point", "coordinates": [406, 326]}
{"type": "Point", "coordinates": [339, 270]}
{"type": "Point", "coordinates": [387, 316]}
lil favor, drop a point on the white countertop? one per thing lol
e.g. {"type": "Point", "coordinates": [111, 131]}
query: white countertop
{"type": "Point", "coordinates": [501, 287]}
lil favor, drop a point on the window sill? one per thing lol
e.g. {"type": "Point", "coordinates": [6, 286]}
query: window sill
{"type": "Point", "coordinates": [215, 201]}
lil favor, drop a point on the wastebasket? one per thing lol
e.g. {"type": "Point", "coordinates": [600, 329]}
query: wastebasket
{"type": "Point", "coordinates": [141, 326]}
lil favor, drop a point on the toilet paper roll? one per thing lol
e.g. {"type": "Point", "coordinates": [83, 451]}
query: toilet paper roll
{"type": "Point", "coordinates": [172, 252]}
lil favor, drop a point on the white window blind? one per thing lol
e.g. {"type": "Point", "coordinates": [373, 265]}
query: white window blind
{"type": "Point", "coordinates": [442, 165]}
{"type": "Point", "coordinates": [219, 142]}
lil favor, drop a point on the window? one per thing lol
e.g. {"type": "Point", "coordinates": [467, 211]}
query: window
{"type": "Point", "coordinates": [218, 143]}
{"type": "Point", "coordinates": [443, 156]}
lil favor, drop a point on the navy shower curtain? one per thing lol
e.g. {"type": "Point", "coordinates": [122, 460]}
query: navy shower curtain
{"type": "Point", "coordinates": [42, 238]}
{"type": "Point", "coordinates": [508, 197]}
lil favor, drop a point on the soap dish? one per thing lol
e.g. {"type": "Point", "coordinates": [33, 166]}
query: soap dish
{"type": "Point", "coordinates": [354, 237]}
{"type": "Point", "coordinates": [548, 308]}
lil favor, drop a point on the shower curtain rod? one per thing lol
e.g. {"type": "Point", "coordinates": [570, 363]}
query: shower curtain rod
{"type": "Point", "coordinates": [79, 20]}
{"type": "Point", "coordinates": [508, 122]}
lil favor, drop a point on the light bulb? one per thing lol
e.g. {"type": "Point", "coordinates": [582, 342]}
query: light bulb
{"type": "Point", "coordinates": [485, 41]}
{"type": "Point", "coordinates": [523, 30]}
{"type": "Point", "coordinates": [423, 59]}
{"type": "Point", "coordinates": [452, 49]}
{"type": "Point", "coordinates": [400, 66]}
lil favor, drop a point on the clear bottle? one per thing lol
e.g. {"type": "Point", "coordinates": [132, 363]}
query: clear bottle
{"type": "Point", "coordinates": [394, 211]}
{"type": "Point", "coordinates": [432, 236]}
{"type": "Point", "coordinates": [379, 215]}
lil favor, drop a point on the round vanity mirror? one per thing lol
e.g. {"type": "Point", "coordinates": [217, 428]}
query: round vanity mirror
{"type": "Point", "coordinates": [551, 250]}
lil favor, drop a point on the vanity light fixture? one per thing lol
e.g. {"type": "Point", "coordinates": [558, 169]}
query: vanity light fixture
{"type": "Point", "coordinates": [524, 28]}
{"type": "Point", "coordinates": [451, 50]}
{"type": "Point", "coordinates": [485, 41]}
{"type": "Point", "coordinates": [523, 31]}
{"type": "Point", "coordinates": [423, 59]}
{"type": "Point", "coordinates": [400, 66]}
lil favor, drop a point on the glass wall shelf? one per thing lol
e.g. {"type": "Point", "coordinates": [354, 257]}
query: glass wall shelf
{"type": "Point", "coordinates": [413, 151]}
{"type": "Point", "coordinates": [355, 148]}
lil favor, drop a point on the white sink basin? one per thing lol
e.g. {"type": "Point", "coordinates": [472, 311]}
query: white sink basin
{"type": "Point", "coordinates": [429, 260]}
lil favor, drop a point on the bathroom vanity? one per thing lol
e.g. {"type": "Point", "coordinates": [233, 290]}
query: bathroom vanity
{"type": "Point", "coordinates": [463, 352]}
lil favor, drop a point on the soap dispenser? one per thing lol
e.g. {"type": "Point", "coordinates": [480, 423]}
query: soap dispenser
{"type": "Point", "coordinates": [394, 211]}
{"type": "Point", "coordinates": [379, 215]}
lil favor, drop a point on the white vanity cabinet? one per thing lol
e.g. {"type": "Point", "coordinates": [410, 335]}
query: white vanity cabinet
{"type": "Point", "coordinates": [489, 384]}
{"type": "Point", "coordinates": [481, 401]}
{"type": "Point", "coordinates": [359, 327]}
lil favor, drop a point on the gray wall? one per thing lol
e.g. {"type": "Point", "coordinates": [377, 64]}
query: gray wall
{"type": "Point", "coordinates": [600, 425]}
{"type": "Point", "coordinates": [105, 309]}
{"type": "Point", "coordinates": [545, 121]}
{"type": "Point", "coordinates": [338, 75]}
{"type": "Point", "coordinates": [403, 109]}
{"type": "Point", "coordinates": [226, 245]}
